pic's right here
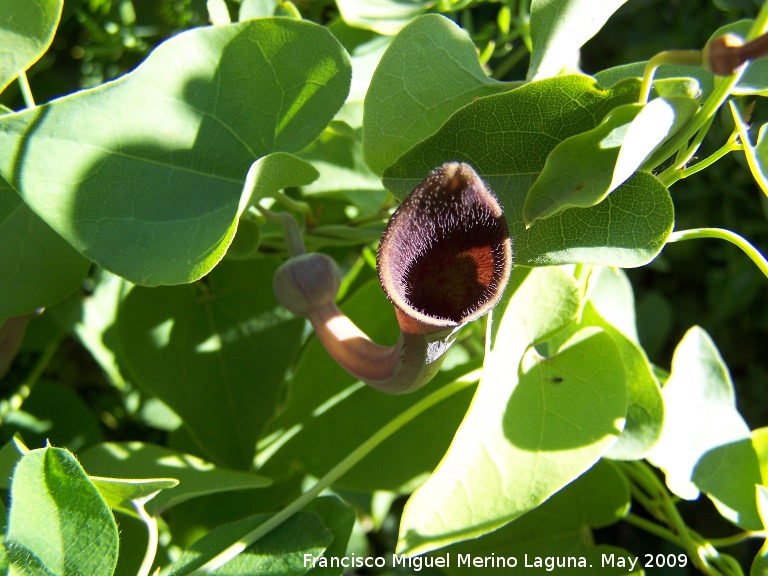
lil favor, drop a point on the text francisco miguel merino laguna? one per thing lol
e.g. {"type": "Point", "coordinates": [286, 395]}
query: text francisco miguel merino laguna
{"type": "Point", "coordinates": [416, 563]}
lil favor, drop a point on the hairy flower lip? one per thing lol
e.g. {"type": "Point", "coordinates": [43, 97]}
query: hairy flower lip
{"type": "Point", "coordinates": [445, 256]}
{"type": "Point", "coordinates": [444, 260]}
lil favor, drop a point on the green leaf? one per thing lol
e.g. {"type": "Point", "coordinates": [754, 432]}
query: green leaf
{"type": "Point", "coordinates": [577, 173]}
{"type": "Point", "coordinates": [277, 171]}
{"type": "Point", "coordinates": [534, 425]}
{"type": "Point", "coordinates": [560, 527]}
{"type": "Point", "coordinates": [610, 293]}
{"type": "Point", "coordinates": [728, 474]}
{"type": "Point", "coordinates": [194, 347]}
{"type": "Point", "coordinates": [26, 31]}
{"type": "Point", "coordinates": [559, 29]}
{"type": "Point", "coordinates": [383, 16]}
{"type": "Point", "coordinates": [186, 126]}
{"type": "Point", "coordinates": [123, 495]}
{"type": "Point", "coordinates": [429, 71]}
{"type": "Point", "coordinates": [760, 564]}
{"type": "Point", "coordinates": [40, 267]}
{"type": "Point", "coordinates": [508, 137]}
{"type": "Point", "coordinates": [611, 307]}
{"type": "Point", "coordinates": [697, 394]}
{"type": "Point", "coordinates": [280, 553]}
{"type": "Point", "coordinates": [330, 414]}
{"type": "Point", "coordinates": [58, 522]}
{"type": "Point", "coordinates": [657, 121]}
{"type": "Point", "coordinates": [583, 169]}
{"type": "Point", "coordinates": [138, 460]}
{"type": "Point", "coordinates": [645, 405]}
{"type": "Point", "coordinates": [669, 80]}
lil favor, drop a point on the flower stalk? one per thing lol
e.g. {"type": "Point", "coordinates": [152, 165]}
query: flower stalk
{"type": "Point", "coordinates": [444, 260]}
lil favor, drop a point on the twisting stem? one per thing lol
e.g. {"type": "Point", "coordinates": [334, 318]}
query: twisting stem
{"type": "Point", "coordinates": [152, 539]}
{"type": "Point", "coordinates": [339, 470]}
{"type": "Point", "coordinates": [294, 242]}
{"type": "Point", "coordinates": [679, 57]}
{"type": "Point", "coordinates": [755, 255]}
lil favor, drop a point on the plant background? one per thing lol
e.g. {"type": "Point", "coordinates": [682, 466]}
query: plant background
{"type": "Point", "coordinates": [709, 282]}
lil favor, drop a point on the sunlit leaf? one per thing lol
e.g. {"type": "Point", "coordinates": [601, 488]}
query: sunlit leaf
{"type": "Point", "coordinates": [598, 498]}
{"type": "Point", "coordinates": [145, 175]}
{"type": "Point", "coordinates": [58, 518]}
{"type": "Point", "coordinates": [401, 106]}
{"type": "Point", "coordinates": [698, 392]}
{"type": "Point", "coordinates": [382, 16]}
{"type": "Point", "coordinates": [583, 169]}
{"type": "Point", "coordinates": [535, 424]}
{"type": "Point", "coordinates": [559, 29]}
{"type": "Point", "coordinates": [628, 229]}
{"type": "Point", "coordinates": [40, 267]}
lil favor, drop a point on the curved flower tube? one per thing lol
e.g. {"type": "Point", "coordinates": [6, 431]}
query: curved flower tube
{"type": "Point", "coordinates": [444, 260]}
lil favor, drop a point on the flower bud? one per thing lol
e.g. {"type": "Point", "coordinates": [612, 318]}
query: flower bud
{"type": "Point", "coordinates": [307, 282]}
{"type": "Point", "coordinates": [723, 55]}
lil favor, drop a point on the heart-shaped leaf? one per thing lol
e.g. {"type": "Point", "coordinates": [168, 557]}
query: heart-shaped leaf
{"type": "Point", "coordinates": [145, 175]}
{"type": "Point", "coordinates": [534, 425]}
{"type": "Point", "coordinates": [401, 107]}
{"type": "Point", "coordinates": [197, 477]}
{"type": "Point", "coordinates": [507, 138]}
{"type": "Point", "coordinates": [583, 169]}
{"type": "Point", "coordinates": [698, 392]}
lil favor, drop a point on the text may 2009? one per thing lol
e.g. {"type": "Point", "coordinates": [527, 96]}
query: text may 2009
{"type": "Point", "coordinates": [417, 563]}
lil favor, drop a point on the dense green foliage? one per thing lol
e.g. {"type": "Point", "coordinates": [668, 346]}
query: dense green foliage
{"type": "Point", "coordinates": [161, 409]}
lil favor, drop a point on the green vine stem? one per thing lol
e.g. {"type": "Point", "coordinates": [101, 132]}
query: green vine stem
{"type": "Point", "coordinates": [649, 491]}
{"type": "Point", "coordinates": [26, 91]}
{"type": "Point", "coordinates": [340, 469]}
{"type": "Point", "coordinates": [722, 90]}
{"type": "Point", "coordinates": [668, 57]}
{"type": "Point", "coordinates": [294, 242]}
{"type": "Point", "coordinates": [674, 173]}
{"type": "Point", "coordinates": [738, 538]}
{"type": "Point", "coordinates": [755, 255]}
{"type": "Point", "coordinates": [291, 204]}
{"type": "Point", "coordinates": [642, 475]}
{"type": "Point", "coordinates": [152, 539]}
{"type": "Point", "coordinates": [749, 152]}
